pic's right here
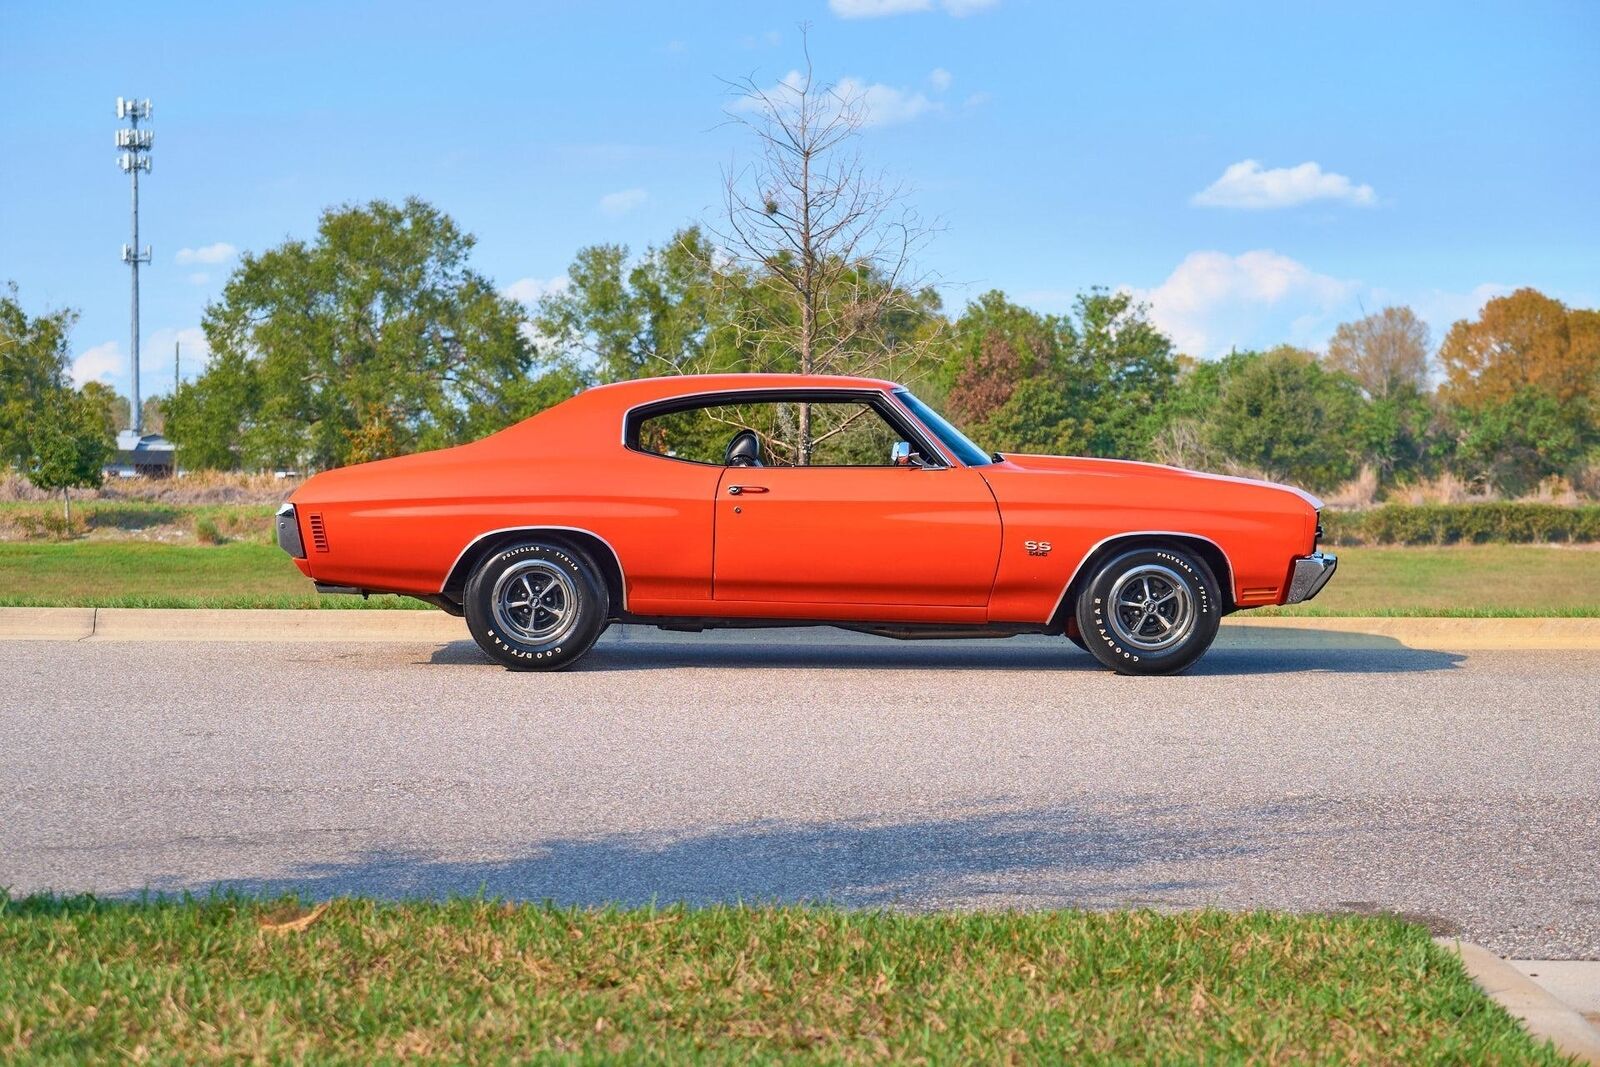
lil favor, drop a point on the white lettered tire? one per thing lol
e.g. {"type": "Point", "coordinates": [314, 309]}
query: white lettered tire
{"type": "Point", "coordinates": [1150, 611]}
{"type": "Point", "coordinates": [536, 606]}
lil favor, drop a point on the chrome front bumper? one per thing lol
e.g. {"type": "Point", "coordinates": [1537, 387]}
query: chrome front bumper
{"type": "Point", "coordinates": [1310, 574]}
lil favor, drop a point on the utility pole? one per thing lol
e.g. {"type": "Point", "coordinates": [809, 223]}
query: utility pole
{"type": "Point", "coordinates": [135, 144]}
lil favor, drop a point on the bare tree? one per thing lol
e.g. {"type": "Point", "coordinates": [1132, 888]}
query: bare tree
{"type": "Point", "coordinates": [1383, 352]}
{"type": "Point", "coordinates": [835, 240]}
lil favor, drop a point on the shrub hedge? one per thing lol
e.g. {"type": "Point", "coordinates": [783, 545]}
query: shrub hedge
{"type": "Point", "coordinates": [1446, 524]}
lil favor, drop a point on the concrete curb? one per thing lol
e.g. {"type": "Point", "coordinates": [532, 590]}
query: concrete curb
{"type": "Point", "coordinates": [1542, 1014]}
{"type": "Point", "coordinates": [46, 624]}
{"type": "Point", "coordinates": [313, 624]}
{"type": "Point", "coordinates": [1577, 982]}
{"type": "Point", "coordinates": [1432, 634]}
{"type": "Point", "coordinates": [322, 625]}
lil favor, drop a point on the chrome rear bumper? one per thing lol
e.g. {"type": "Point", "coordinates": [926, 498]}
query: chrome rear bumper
{"type": "Point", "coordinates": [289, 532]}
{"type": "Point", "coordinates": [1310, 574]}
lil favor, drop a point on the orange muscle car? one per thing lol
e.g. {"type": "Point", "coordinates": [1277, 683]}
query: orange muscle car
{"type": "Point", "coordinates": [778, 500]}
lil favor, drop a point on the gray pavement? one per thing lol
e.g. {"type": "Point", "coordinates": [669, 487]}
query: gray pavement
{"type": "Point", "coordinates": [1462, 789]}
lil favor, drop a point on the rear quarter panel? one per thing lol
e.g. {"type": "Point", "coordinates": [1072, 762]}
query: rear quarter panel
{"type": "Point", "coordinates": [400, 525]}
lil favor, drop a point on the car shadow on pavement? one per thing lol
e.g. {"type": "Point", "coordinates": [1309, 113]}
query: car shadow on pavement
{"type": "Point", "coordinates": [1092, 858]}
{"type": "Point", "coordinates": [641, 648]}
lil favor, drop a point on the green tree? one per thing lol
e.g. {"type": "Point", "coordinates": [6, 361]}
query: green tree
{"type": "Point", "coordinates": [992, 349]}
{"type": "Point", "coordinates": [1514, 444]}
{"type": "Point", "coordinates": [374, 338]}
{"type": "Point", "coordinates": [33, 369]}
{"type": "Point", "coordinates": [1122, 369]}
{"type": "Point", "coordinates": [109, 403]}
{"type": "Point", "coordinates": [1092, 382]}
{"type": "Point", "coordinates": [680, 309]}
{"type": "Point", "coordinates": [208, 418]}
{"type": "Point", "coordinates": [71, 442]}
{"type": "Point", "coordinates": [659, 316]}
{"type": "Point", "coordinates": [154, 408]}
{"type": "Point", "coordinates": [1281, 413]}
{"type": "Point", "coordinates": [1395, 433]}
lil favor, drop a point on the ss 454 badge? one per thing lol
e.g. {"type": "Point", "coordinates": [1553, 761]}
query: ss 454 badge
{"type": "Point", "coordinates": [1037, 548]}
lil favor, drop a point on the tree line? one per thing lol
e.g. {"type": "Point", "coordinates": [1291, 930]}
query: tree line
{"type": "Point", "coordinates": [376, 337]}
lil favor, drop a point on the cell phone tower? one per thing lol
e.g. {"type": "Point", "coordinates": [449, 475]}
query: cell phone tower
{"type": "Point", "coordinates": [135, 145]}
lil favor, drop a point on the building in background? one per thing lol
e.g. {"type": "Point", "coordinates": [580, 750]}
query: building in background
{"type": "Point", "coordinates": [142, 455]}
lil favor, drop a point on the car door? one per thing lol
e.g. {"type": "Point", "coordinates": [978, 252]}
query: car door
{"type": "Point", "coordinates": [879, 535]}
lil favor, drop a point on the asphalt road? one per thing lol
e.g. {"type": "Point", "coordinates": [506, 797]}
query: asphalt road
{"type": "Point", "coordinates": [1463, 789]}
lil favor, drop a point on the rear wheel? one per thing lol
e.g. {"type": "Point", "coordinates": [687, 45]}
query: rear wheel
{"type": "Point", "coordinates": [1150, 611]}
{"type": "Point", "coordinates": [536, 606]}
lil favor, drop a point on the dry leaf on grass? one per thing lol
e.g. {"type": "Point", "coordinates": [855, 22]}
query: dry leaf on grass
{"type": "Point", "coordinates": [293, 926]}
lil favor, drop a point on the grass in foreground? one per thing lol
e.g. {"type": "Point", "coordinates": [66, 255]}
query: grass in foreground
{"type": "Point", "coordinates": [1468, 580]}
{"type": "Point", "coordinates": [477, 981]}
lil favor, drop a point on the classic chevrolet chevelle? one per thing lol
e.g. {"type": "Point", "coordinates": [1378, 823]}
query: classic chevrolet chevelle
{"type": "Point", "coordinates": [776, 500]}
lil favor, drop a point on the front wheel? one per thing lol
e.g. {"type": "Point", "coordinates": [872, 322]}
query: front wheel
{"type": "Point", "coordinates": [1150, 611]}
{"type": "Point", "coordinates": [536, 606]}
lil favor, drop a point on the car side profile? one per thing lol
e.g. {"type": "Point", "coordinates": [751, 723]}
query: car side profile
{"type": "Point", "coordinates": [779, 500]}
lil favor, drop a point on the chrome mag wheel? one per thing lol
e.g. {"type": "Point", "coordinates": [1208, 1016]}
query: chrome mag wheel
{"type": "Point", "coordinates": [1152, 608]}
{"type": "Point", "coordinates": [535, 601]}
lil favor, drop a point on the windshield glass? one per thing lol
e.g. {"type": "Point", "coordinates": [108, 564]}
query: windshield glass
{"type": "Point", "coordinates": [952, 438]}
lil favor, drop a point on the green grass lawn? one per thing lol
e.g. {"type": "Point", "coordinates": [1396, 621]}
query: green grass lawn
{"type": "Point", "coordinates": [143, 574]}
{"type": "Point", "coordinates": [1486, 580]}
{"type": "Point", "coordinates": [1467, 580]}
{"type": "Point", "coordinates": [478, 981]}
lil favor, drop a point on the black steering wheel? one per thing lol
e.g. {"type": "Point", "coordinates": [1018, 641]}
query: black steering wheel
{"type": "Point", "coordinates": [744, 450]}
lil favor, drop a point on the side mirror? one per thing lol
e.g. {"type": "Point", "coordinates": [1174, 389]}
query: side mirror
{"type": "Point", "coordinates": [901, 455]}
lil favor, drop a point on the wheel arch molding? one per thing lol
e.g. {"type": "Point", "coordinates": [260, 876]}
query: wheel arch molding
{"type": "Point", "coordinates": [1202, 546]}
{"type": "Point", "coordinates": [585, 542]}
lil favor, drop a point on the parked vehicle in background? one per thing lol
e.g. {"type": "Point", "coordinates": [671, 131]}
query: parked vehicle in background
{"type": "Point", "coordinates": [780, 500]}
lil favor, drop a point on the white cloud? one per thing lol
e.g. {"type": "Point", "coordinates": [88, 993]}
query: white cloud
{"type": "Point", "coordinates": [530, 291]}
{"type": "Point", "coordinates": [623, 201]}
{"type": "Point", "coordinates": [939, 78]}
{"type": "Point", "coordinates": [881, 105]}
{"type": "Point", "coordinates": [873, 9]}
{"type": "Point", "coordinates": [884, 105]}
{"type": "Point", "coordinates": [157, 351]}
{"type": "Point", "coordinates": [1247, 184]}
{"type": "Point", "coordinates": [109, 362]}
{"type": "Point", "coordinates": [1213, 302]}
{"type": "Point", "coordinates": [1441, 309]}
{"type": "Point", "coordinates": [98, 364]}
{"type": "Point", "coordinates": [220, 252]}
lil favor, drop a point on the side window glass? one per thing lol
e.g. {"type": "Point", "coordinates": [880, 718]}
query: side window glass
{"type": "Point", "coordinates": [841, 433]}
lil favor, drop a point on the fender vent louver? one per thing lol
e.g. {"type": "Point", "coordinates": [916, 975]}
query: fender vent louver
{"type": "Point", "coordinates": [319, 533]}
{"type": "Point", "coordinates": [1260, 590]}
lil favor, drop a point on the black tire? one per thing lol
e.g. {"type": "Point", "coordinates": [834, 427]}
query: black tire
{"type": "Point", "coordinates": [1075, 637]}
{"type": "Point", "coordinates": [536, 606]}
{"type": "Point", "coordinates": [1170, 612]}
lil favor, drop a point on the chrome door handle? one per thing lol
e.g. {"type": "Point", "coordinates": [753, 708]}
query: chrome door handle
{"type": "Point", "coordinates": [735, 490]}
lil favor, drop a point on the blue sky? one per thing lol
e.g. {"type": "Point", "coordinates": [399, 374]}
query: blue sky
{"type": "Point", "coordinates": [1259, 173]}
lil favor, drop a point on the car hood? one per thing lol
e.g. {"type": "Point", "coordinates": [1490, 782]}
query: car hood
{"type": "Point", "coordinates": [1152, 471]}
